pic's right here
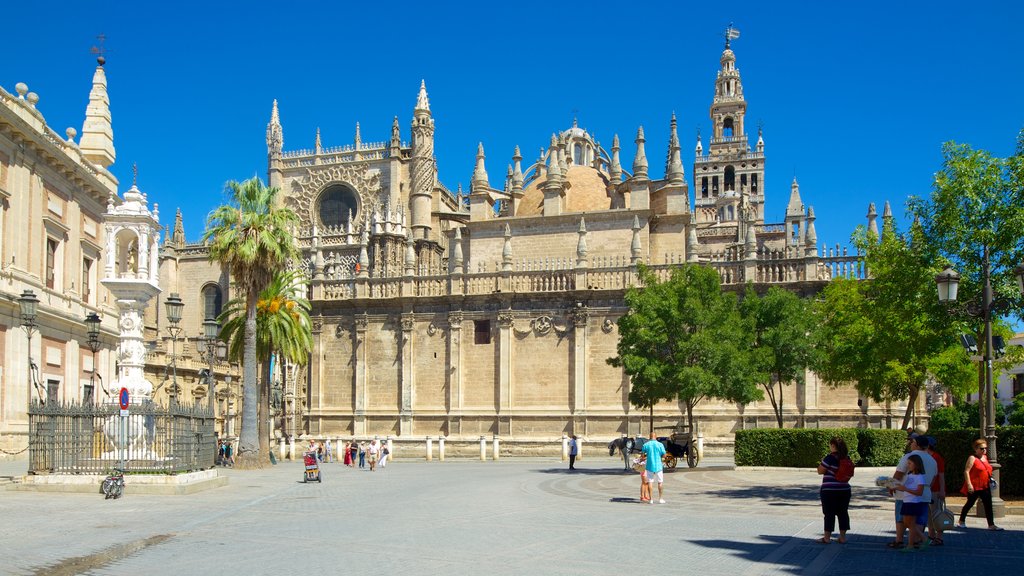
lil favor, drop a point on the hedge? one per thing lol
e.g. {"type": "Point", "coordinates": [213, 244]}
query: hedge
{"type": "Point", "coordinates": [805, 447]}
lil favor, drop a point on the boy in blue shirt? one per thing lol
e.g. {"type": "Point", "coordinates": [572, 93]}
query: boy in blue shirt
{"type": "Point", "coordinates": [653, 451]}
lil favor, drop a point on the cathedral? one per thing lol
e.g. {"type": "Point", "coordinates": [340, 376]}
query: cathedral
{"type": "Point", "coordinates": [436, 312]}
{"type": "Point", "coordinates": [493, 311]}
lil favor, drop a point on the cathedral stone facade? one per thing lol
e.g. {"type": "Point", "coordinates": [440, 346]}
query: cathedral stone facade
{"type": "Point", "coordinates": [493, 312]}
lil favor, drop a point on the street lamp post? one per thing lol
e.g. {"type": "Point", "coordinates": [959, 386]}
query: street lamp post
{"type": "Point", "coordinates": [92, 322]}
{"type": "Point", "coordinates": [214, 351]}
{"type": "Point", "coordinates": [947, 282]}
{"type": "Point", "coordinates": [29, 305]}
{"type": "Point", "coordinates": [174, 305]}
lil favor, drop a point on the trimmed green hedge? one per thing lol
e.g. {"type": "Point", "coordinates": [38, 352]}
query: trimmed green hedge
{"type": "Point", "coordinates": [955, 447]}
{"type": "Point", "coordinates": [805, 447]}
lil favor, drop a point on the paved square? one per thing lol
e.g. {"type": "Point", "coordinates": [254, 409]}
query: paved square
{"type": "Point", "coordinates": [516, 516]}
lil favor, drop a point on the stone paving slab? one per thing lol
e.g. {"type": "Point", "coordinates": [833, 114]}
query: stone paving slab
{"type": "Point", "coordinates": [516, 516]}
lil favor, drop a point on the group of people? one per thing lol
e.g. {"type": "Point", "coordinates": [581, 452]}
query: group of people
{"type": "Point", "coordinates": [918, 486]}
{"type": "Point", "coordinates": [373, 453]}
{"type": "Point", "coordinates": [226, 454]}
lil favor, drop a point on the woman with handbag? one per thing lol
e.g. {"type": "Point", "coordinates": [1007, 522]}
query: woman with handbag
{"type": "Point", "coordinates": [977, 484]}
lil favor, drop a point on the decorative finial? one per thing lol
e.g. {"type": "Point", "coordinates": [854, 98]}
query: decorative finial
{"type": "Point", "coordinates": [100, 50]}
{"type": "Point", "coordinates": [135, 175]}
{"type": "Point", "coordinates": [730, 34]}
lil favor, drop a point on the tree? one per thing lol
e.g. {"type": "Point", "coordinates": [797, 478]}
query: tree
{"type": "Point", "coordinates": [889, 333]}
{"type": "Point", "coordinates": [283, 331]}
{"type": "Point", "coordinates": [780, 325]}
{"type": "Point", "coordinates": [683, 339]}
{"type": "Point", "coordinates": [249, 237]}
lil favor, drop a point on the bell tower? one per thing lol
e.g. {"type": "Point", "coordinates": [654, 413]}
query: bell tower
{"type": "Point", "coordinates": [730, 167]}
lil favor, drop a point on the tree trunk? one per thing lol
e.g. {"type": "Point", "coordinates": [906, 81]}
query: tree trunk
{"type": "Point", "coordinates": [248, 439]}
{"type": "Point", "coordinates": [689, 417]}
{"type": "Point", "coordinates": [265, 410]}
{"type": "Point", "coordinates": [652, 418]}
{"type": "Point", "coordinates": [778, 409]}
{"type": "Point", "coordinates": [914, 391]}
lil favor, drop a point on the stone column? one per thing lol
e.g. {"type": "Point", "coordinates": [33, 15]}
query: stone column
{"type": "Point", "coordinates": [565, 447]}
{"type": "Point", "coordinates": [440, 448]}
{"type": "Point", "coordinates": [497, 447]}
{"type": "Point", "coordinates": [579, 376]}
{"type": "Point", "coordinates": [430, 448]}
{"type": "Point", "coordinates": [483, 448]}
{"type": "Point", "coordinates": [455, 363]}
{"type": "Point", "coordinates": [406, 353]}
{"type": "Point", "coordinates": [359, 392]}
{"type": "Point", "coordinates": [505, 323]}
{"type": "Point", "coordinates": [315, 388]}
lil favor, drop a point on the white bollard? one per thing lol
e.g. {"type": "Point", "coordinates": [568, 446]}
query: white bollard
{"type": "Point", "coordinates": [291, 448]}
{"type": "Point", "coordinates": [391, 449]}
{"type": "Point", "coordinates": [281, 449]}
{"type": "Point", "coordinates": [440, 448]}
{"type": "Point", "coordinates": [496, 447]}
{"type": "Point", "coordinates": [579, 449]}
{"type": "Point", "coordinates": [565, 447]}
{"type": "Point", "coordinates": [483, 448]}
{"type": "Point", "coordinates": [430, 448]}
{"type": "Point", "coordinates": [700, 445]}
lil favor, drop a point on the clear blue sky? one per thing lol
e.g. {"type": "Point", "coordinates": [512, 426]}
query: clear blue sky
{"type": "Point", "coordinates": [856, 98]}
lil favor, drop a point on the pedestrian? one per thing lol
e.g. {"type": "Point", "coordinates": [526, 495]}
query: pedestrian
{"type": "Point", "coordinates": [355, 449]}
{"type": "Point", "coordinates": [654, 451]}
{"type": "Point", "coordinates": [228, 455]}
{"type": "Point", "coordinates": [328, 455]}
{"type": "Point", "coordinates": [645, 486]}
{"type": "Point", "coordinates": [320, 451]}
{"type": "Point", "coordinates": [938, 486]}
{"type": "Point", "coordinates": [916, 443]}
{"type": "Point", "coordinates": [385, 452]}
{"type": "Point", "coordinates": [362, 454]}
{"type": "Point", "coordinates": [836, 469]}
{"type": "Point", "coordinates": [915, 506]}
{"type": "Point", "coordinates": [978, 484]}
{"type": "Point", "coordinates": [220, 454]}
{"type": "Point", "coordinates": [574, 450]}
{"type": "Point", "coordinates": [347, 456]}
{"type": "Point", "coordinates": [373, 452]}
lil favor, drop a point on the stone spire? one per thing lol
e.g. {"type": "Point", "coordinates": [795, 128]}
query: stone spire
{"type": "Point", "coordinates": [422, 102]}
{"type": "Point", "coordinates": [554, 166]}
{"type": "Point", "coordinates": [506, 251]}
{"type": "Point", "coordinates": [691, 244]}
{"type": "Point", "coordinates": [812, 234]}
{"type": "Point", "coordinates": [886, 212]}
{"type": "Point", "coordinates": [517, 171]}
{"type": "Point", "coordinates": [674, 166]}
{"type": "Point", "coordinates": [275, 133]}
{"type": "Point", "coordinates": [457, 259]}
{"type": "Point", "coordinates": [581, 245]}
{"type": "Point", "coordinates": [872, 215]}
{"type": "Point", "coordinates": [479, 183]}
{"type": "Point", "coordinates": [395, 146]}
{"type": "Point", "coordinates": [410, 256]}
{"type": "Point", "coordinates": [615, 170]}
{"type": "Point", "coordinates": [760, 140]}
{"type": "Point", "coordinates": [358, 138]}
{"type": "Point", "coordinates": [317, 145]}
{"type": "Point", "coordinates": [634, 245]}
{"type": "Point", "coordinates": [750, 246]}
{"type": "Point", "coordinates": [795, 206]}
{"type": "Point", "coordinates": [364, 257]}
{"type": "Point", "coordinates": [640, 160]}
{"type": "Point", "coordinates": [97, 144]}
{"type": "Point", "coordinates": [178, 239]}
{"type": "Point", "coordinates": [699, 149]}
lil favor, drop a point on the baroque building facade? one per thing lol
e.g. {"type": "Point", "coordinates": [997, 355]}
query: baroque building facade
{"type": "Point", "coordinates": [492, 312]}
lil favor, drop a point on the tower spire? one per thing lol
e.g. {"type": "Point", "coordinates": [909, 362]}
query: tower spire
{"type": "Point", "coordinates": [615, 170]}
{"type": "Point", "coordinates": [640, 160]}
{"type": "Point", "coordinates": [422, 101]}
{"type": "Point", "coordinates": [479, 182]}
{"type": "Point", "coordinates": [275, 133]}
{"type": "Point", "coordinates": [97, 142]}
{"type": "Point", "coordinates": [674, 167]}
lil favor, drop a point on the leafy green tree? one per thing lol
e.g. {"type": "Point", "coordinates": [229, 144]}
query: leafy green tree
{"type": "Point", "coordinates": [283, 330]}
{"type": "Point", "coordinates": [888, 333]}
{"type": "Point", "coordinates": [249, 236]}
{"type": "Point", "coordinates": [782, 349]}
{"type": "Point", "coordinates": [684, 339]}
{"type": "Point", "coordinates": [1016, 410]}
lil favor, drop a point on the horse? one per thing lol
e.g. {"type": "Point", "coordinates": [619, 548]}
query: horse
{"type": "Point", "coordinates": [625, 446]}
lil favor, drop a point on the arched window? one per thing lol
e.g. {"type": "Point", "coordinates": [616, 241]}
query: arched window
{"type": "Point", "coordinates": [212, 301]}
{"type": "Point", "coordinates": [577, 155]}
{"type": "Point", "coordinates": [730, 214]}
{"type": "Point", "coordinates": [727, 127]}
{"type": "Point", "coordinates": [704, 187]}
{"type": "Point", "coordinates": [730, 178]}
{"type": "Point", "coordinates": [335, 204]}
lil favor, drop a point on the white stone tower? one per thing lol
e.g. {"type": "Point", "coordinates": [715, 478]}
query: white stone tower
{"type": "Point", "coordinates": [423, 169]}
{"type": "Point", "coordinates": [132, 276]}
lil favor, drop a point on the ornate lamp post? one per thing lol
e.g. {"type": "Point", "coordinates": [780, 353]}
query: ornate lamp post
{"type": "Point", "coordinates": [92, 323]}
{"type": "Point", "coordinates": [214, 351]}
{"type": "Point", "coordinates": [174, 305]}
{"type": "Point", "coordinates": [29, 304]}
{"type": "Point", "coordinates": [948, 282]}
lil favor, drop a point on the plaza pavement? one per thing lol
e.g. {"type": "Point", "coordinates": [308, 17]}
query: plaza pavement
{"type": "Point", "coordinates": [515, 516]}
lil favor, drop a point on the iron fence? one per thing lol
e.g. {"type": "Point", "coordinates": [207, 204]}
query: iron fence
{"type": "Point", "coordinates": [75, 438]}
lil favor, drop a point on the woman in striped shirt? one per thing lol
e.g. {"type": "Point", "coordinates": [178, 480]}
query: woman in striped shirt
{"type": "Point", "coordinates": [835, 494]}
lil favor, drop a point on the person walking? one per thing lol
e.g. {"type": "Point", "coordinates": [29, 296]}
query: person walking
{"type": "Point", "coordinates": [229, 459]}
{"type": "Point", "coordinates": [977, 484]}
{"type": "Point", "coordinates": [356, 448]}
{"type": "Point", "coordinates": [836, 470]}
{"type": "Point", "coordinates": [654, 451]}
{"type": "Point", "coordinates": [915, 502]}
{"type": "Point", "coordinates": [328, 453]}
{"type": "Point", "coordinates": [372, 452]}
{"type": "Point", "coordinates": [384, 453]}
{"type": "Point", "coordinates": [347, 455]}
{"type": "Point", "coordinates": [916, 445]}
{"type": "Point", "coordinates": [935, 529]}
{"type": "Point", "coordinates": [574, 450]}
{"type": "Point", "coordinates": [361, 449]}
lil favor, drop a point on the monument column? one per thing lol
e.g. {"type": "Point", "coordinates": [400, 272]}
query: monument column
{"type": "Point", "coordinates": [505, 323]}
{"type": "Point", "coordinates": [455, 372]}
{"type": "Point", "coordinates": [579, 375]}
{"type": "Point", "coordinates": [359, 391]}
{"type": "Point", "coordinates": [405, 411]}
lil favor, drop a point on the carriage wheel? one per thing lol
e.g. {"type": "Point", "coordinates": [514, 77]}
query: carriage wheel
{"type": "Point", "coordinates": [670, 461]}
{"type": "Point", "coordinates": [692, 456]}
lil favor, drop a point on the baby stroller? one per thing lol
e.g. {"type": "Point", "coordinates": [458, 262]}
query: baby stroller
{"type": "Point", "coordinates": [312, 467]}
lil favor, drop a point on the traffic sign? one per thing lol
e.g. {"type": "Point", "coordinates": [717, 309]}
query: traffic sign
{"type": "Point", "coordinates": [123, 399]}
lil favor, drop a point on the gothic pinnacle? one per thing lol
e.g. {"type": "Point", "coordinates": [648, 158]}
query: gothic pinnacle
{"type": "Point", "coordinates": [422, 102]}
{"type": "Point", "coordinates": [615, 170]}
{"type": "Point", "coordinates": [479, 173]}
{"type": "Point", "coordinates": [640, 160]}
{"type": "Point", "coordinates": [674, 167]}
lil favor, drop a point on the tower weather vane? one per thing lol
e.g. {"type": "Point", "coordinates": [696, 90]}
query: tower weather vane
{"type": "Point", "coordinates": [731, 34]}
{"type": "Point", "coordinates": [100, 50]}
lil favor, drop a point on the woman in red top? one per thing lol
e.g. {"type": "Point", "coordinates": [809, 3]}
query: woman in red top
{"type": "Point", "coordinates": [977, 474]}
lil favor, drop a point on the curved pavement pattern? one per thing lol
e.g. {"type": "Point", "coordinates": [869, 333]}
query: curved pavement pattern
{"type": "Point", "coordinates": [516, 516]}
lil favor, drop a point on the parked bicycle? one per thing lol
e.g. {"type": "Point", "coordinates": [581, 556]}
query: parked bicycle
{"type": "Point", "coordinates": [113, 485]}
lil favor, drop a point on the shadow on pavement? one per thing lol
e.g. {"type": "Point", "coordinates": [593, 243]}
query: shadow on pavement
{"type": "Point", "coordinates": [586, 471]}
{"type": "Point", "coordinates": [797, 494]}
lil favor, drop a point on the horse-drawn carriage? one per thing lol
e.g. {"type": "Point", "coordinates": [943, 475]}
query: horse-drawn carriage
{"type": "Point", "coordinates": [679, 444]}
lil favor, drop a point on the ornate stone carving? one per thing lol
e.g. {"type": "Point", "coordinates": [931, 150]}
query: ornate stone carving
{"type": "Point", "coordinates": [506, 319]}
{"type": "Point", "coordinates": [362, 321]}
{"type": "Point", "coordinates": [580, 314]}
{"type": "Point", "coordinates": [542, 326]}
{"type": "Point", "coordinates": [432, 329]}
{"type": "Point", "coordinates": [340, 331]}
{"type": "Point", "coordinates": [318, 323]}
{"type": "Point", "coordinates": [408, 322]}
{"type": "Point", "coordinates": [607, 326]}
{"type": "Point", "coordinates": [359, 176]}
{"type": "Point", "coordinates": [455, 320]}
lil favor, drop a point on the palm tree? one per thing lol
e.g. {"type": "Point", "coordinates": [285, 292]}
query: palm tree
{"type": "Point", "coordinates": [283, 329]}
{"type": "Point", "coordinates": [250, 237]}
